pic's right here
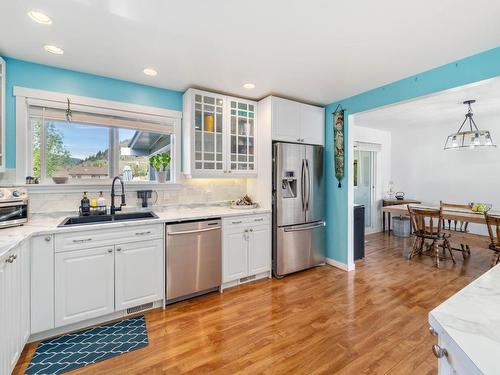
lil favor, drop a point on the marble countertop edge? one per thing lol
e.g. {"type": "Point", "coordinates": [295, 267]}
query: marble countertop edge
{"type": "Point", "coordinates": [44, 224]}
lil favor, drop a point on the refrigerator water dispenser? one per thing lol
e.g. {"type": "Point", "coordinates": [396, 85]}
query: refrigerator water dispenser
{"type": "Point", "coordinates": [289, 185]}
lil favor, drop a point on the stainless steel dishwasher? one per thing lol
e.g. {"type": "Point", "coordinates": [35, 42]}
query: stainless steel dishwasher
{"type": "Point", "coordinates": [194, 259]}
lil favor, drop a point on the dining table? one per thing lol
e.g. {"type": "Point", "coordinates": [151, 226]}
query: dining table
{"type": "Point", "coordinates": [448, 213]}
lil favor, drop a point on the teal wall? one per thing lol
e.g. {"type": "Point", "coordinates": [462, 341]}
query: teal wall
{"type": "Point", "coordinates": [43, 77]}
{"type": "Point", "coordinates": [471, 69]}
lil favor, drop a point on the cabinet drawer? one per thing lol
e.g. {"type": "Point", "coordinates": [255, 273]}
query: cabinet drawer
{"type": "Point", "coordinates": [104, 237]}
{"type": "Point", "coordinates": [236, 221]}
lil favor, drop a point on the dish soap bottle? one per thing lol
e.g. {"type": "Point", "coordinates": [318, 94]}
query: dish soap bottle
{"type": "Point", "coordinates": [85, 205]}
{"type": "Point", "coordinates": [101, 204]}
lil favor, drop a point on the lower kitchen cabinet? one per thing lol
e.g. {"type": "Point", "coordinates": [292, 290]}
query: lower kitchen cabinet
{"type": "Point", "coordinates": [138, 273]}
{"type": "Point", "coordinates": [259, 250]}
{"type": "Point", "coordinates": [84, 284]}
{"type": "Point", "coordinates": [246, 248]}
{"type": "Point", "coordinates": [14, 305]}
{"type": "Point", "coordinates": [235, 254]}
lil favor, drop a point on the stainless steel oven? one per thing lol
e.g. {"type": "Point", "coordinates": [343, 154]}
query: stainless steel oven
{"type": "Point", "coordinates": [13, 207]}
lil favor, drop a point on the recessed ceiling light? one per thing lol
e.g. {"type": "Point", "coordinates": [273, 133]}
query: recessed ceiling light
{"type": "Point", "coordinates": [150, 72]}
{"type": "Point", "coordinates": [40, 17]}
{"type": "Point", "coordinates": [249, 86]}
{"type": "Point", "coordinates": [53, 49]}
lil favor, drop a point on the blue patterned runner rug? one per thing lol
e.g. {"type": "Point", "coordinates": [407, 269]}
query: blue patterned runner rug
{"type": "Point", "coordinates": [71, 351]}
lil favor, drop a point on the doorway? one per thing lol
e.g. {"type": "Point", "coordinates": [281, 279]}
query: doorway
{"type": "Point", "coordinates": [364, 181]}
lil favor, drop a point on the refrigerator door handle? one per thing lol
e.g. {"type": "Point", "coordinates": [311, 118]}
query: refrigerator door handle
{"type": "Point", "coordinates": [302, 184]}
{"type": "Point", "coordinates": [297, 228]}
{"type": "Point", "coordinates": [308, 179]}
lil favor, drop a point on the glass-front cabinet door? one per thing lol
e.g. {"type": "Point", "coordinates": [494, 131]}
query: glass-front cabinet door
{"type": "Point", "coordinates": [219, 135]}
{"type": "Point", "coordinates": [208, 132]}
{"type": "Point", "coordinates": [241, 136]}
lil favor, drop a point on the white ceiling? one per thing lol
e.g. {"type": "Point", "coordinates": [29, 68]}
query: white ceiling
{"type": "Point", "coordinates": [315, 50]}
{"type": "Point", "coordinates": [443, 109]}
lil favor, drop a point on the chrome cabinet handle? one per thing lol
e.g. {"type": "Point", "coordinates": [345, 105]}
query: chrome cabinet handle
{"type": "Point", "coordinates": [261, 219]}
{"type": "Point", "coordinates": [10, 259]}
{"type": "Point", "coordinates": [48, 238]}
{"type": "Point", "coordinates": [246, 230]}
{"type": "Point", "coordinates": [82, 240]}
{"type": "Point", "coordinates": [432, 331]}
{"type": "Point", "coordinates": [110, 250]}
{"type": "Point", "coordinates": [142, 233]}
{"type": "Point", "coordinates": [251, 230]}
{"type": "Point", "coordinates": [118, 249]}
{"type": "Point", "coordinates": [236, 222]}
{"type": "Point", "coordinates": [438, 351]}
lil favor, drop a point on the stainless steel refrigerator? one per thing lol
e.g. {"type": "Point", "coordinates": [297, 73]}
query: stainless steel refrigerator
{"type": "Point", "coordinates": [298, 207]}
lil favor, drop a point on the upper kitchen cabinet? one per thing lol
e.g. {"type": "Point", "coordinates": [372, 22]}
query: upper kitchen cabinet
{"type": "Point", "coordinates": [218, 135]}
{"type": "Point", "coordinates": [2, 114]}
{"type": "Point", "coordinates": [297, 122]}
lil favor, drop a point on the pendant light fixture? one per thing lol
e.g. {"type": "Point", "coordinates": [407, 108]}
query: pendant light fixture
{"type": "Point", "coordinates": [470, 137]}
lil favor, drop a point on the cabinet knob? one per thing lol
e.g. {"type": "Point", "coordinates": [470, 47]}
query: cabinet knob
{"type": "Point", "coordinates": [225, 171]}
{"type": "Point", "coordinates": [246, 230]}
{"type": "Point", "coordinates": [47, 238]}
{"type": "Point", "coordinates": [229, 171]}
{"type": "Point", "coordinates": [10, 259]}
{"type": "Point", "coordinates": [251, 230]}
{"type": "Point", "coordinates": [432, 331]}
{"type": "Point", "coordinates": [110, 250]}
{"type": "Point", "coordinates": [438, 351]}
{"type": "Point", "coordinates": [118, 249]}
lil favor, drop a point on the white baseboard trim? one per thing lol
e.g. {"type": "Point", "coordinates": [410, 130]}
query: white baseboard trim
{"type": "Point", "coordinates": [337, 264]}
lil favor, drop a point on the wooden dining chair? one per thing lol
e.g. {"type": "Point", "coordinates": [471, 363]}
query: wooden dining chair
{"type": "Point", "coordinates": [457, 228]}
{"type": "Point", "coordinates": [493, 223]}
{"type": "Point", "coordinates": [427, 229]}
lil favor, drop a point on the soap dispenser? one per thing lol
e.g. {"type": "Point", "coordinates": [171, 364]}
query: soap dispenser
{"type": "Point", "coordinates": [85, 205]}
{"type": "Point", "coordinates": [101, 204]}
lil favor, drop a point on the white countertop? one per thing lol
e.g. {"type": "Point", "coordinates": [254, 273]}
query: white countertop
{"type": "Point", "coordinates": [40, 224]}
{"type": "Point", "coordinates": [471, 318]}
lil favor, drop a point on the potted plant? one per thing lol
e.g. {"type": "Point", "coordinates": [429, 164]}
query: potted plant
{"type": "Point", "coordinates": [160, 163]}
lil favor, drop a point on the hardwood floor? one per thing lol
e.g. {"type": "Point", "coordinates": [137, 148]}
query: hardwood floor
{"type": "Point", "coordinates": [320, 321]}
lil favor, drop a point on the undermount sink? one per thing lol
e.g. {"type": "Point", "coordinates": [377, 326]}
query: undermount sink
{"type": "Point", "coordinates": [101, 219]}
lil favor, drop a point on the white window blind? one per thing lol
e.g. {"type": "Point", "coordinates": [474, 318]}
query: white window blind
{"type": "Point", "coordinates": [135, 121]}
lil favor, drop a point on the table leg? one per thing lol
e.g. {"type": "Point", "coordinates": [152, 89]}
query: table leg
{"type": "Point", "coordinates": [389, 223]}
{"type": "Point", "coordinates": [383, 221]}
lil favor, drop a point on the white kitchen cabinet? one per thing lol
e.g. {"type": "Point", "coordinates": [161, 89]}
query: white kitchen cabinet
{"type": "Point", "coordinates": [259, 254]}
{"type": "Point", "coordinates": [246, 247]}
{"type": "Point", "coordinates": [14, 305]}
{"type": "Point", "coordinates": [312, 124]}
{"type": "Point", "coordinates": [286, 120]}
{"type": "Point", "coordinates": [138, 273]}
{"type": "Point", "coordinates": [84, 284]}
{"type": "Point", "coordinates": [235, 254]}
{"type": "Point", "coordinates": [219, 135]}
{"type": "Point", "coordinates": [42, 283]}
{"type": "Point", "coordinates": [297, 122]}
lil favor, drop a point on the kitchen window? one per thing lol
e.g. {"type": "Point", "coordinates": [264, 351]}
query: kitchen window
{"type": "Point", "coordinates": [91, 146]}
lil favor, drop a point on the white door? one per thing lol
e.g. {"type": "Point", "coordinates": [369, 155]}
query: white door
{"type": "Point", "coordinates": [24, 264]}
{"type": "Point", "coordinates": [286, 120]}
{"type": "Point", "coordinates": [312, 124]}
{"type": "Point", "coordinates": [84, 284]}
{"type": "Point", "coordinates": [241, 136]}
{"type": "Point", "coordinates": [4, 322]}
{"type": "Point", "coordinates": [259, 250]}
{"type": "Point", "coordinates": [208, 133]}
{"type": "Point", "coordinates": [138, 273]}
{"type": "Point", "coordinates": [42, 283]}
{"type": "Point", "coordinates": [235, 254]}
